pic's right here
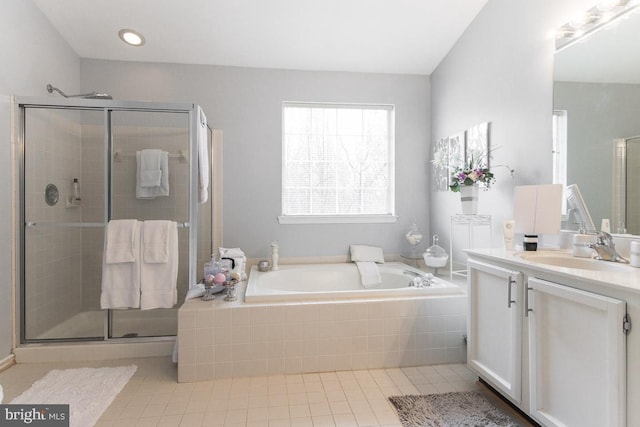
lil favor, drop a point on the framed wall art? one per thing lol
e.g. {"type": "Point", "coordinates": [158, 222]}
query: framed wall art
{"type": "Point", "coordinates": [477, 146]}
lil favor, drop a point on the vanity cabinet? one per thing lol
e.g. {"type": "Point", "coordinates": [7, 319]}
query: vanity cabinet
{"type": "Point", "coordinates": [576, 356]}
{"type": "Point", "coordinates": [494, 341]}
{"type": "Point", "coordinates": [556, 351]}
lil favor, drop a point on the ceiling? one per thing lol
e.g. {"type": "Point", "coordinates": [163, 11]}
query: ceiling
{"type": "Point", "coordinates": [384, 36]}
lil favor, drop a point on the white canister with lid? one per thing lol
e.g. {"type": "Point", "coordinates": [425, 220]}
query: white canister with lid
{"type": "Point", "coordinates": [635, 254]}
{"type": "Point", "coordinates": [581, 247]}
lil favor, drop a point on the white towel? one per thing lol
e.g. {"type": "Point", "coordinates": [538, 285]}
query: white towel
{"type": "Point", "coordinates": [121, 237]}
{"type": "Point", "coordinates": [155, 241]}
{"type": "Point", "coordinates": [369, 273]}
{"type": "Point", "coordinates": [152, 177]}
{"type": "Point", "coordinates": [158, 280]}
{"type": "Point", "coordinates": [366, 258]}
{"type": "Point", "coordinates": [366, 253]}
{"type": "Point", "coordinates": [121, 265]}
{"type": "Point", "coordinates": [203, 157]}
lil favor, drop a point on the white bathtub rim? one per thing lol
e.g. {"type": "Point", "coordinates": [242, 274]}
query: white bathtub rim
{"type": "Point", "coordinates": [446, 289]}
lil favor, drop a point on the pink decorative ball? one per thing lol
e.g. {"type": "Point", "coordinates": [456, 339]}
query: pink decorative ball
{"type": "Point", "coordinates": [219, 278]}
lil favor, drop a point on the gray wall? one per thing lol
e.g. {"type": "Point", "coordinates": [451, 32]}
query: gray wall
{"type": "Point", "coordinates": [501, 71]}
{"type": "Point", "coordinates": [28, 64]}
{"type": "Point", "coordinates": [596, 115]}
{"type": "Point", "coordinates": [246, 104]}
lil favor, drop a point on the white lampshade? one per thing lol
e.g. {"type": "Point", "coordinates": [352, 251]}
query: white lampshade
{"type": "Point", "coordinates": [537, 209]}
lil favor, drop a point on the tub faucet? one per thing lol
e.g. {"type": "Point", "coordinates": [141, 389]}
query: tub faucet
{"type": "Point", "coordinates": [606, 249]}
{"type": "Point", "coordinates": [419, 280]}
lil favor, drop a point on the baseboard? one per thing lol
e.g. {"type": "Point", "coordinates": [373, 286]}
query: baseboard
{"type": "Point", "coordinates": [77, 352]}
{"type": "Point", "coordinates": [7, 362]}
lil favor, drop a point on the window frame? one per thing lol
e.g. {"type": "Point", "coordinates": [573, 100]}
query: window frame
{"type": "Point", "coordinates": [343, 218]}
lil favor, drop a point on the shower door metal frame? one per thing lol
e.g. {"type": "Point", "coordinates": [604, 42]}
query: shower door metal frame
{"type": "Point", "coordinates": [107, 107]}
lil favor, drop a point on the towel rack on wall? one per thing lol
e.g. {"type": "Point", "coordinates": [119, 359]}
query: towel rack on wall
{"type": "Point", "coordinates": [181, 155]}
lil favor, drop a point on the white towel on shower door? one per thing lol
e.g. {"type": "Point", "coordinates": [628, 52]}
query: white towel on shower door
{"type": "Point", "coordinates": [121, 275]}
{"type": "Point", "coordinates": [158, 278]}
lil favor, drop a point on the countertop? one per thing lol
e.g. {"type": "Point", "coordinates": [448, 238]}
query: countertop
{"type": "Point", "coordinates": [622, 277]}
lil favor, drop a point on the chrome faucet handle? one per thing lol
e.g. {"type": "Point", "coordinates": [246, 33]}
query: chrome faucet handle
{"type": "Point", "coordinates": [605, 238]}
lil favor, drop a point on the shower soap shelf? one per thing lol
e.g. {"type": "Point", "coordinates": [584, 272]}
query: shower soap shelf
{"type": "Point", "coordinates": [70, 203]}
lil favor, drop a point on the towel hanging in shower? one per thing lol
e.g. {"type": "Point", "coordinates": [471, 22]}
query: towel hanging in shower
{"type": "Point", "coordinates": [152, 177]}
{"type": "Point", "coordinates": [121, 265]}
{"type": "Point", "coordinates": [159, 265]}
{"type": "Point", "coordinates": [140, 264]}
{"type": "Point", "coordinates": [203, 157]}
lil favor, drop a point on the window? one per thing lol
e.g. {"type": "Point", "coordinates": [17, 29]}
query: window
{"type": "Point", "coordinates": [560, 147]}
{"type": "Point", "coordinates": [338, 163]}
{"type": "Point", "coordinates": [559, 153]}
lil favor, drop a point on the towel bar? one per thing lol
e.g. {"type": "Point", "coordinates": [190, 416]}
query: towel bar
{"type": "Point", "coordinates": [31, 224]}
{"type": "Point", "coordinates": [182, 155]}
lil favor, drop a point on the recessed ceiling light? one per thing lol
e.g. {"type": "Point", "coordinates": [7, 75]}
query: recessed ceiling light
{"type": "Point", "coordinates": [131, 37]}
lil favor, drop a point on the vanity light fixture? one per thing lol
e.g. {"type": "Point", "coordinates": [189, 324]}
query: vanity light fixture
{"type": "Point", "coordinates": [593, 20]}
{"type": "Point", "coordinates": [131, 37]}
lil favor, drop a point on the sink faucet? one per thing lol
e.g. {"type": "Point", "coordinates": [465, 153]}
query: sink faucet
{"type": "Point", "coordinates": [606, 249]}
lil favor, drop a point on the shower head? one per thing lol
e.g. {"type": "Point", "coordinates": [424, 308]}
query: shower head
{"type": "Point", "coordinates": [92, 95]}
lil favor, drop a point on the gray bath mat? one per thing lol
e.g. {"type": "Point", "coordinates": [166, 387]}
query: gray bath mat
{"type": "Point", "coordinates": [469, 409]}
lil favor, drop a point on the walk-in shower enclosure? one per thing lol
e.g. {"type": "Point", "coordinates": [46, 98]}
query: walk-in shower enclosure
{"type": "Point", "coordinates": [61, 238]}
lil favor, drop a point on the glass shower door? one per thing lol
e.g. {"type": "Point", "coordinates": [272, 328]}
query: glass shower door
{"type": "Point", "coordinates": [134, 131]}
{"type": "Point", "coordinates": [63, 233]}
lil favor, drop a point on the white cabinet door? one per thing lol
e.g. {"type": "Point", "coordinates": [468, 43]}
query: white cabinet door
{"type": "Point", "coordinates": [494, 341]}
{"type": "Point", "coordinates": [577, 356]}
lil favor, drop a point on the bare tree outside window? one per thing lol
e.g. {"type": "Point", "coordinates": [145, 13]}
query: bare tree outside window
{"type": "Point", "coordinates": [337, 159]}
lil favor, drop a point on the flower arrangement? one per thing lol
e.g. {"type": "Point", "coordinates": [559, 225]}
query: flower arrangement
{"type": "Point", "coordinates": [470, 174]}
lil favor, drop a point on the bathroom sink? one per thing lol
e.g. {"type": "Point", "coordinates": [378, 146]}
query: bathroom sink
{"type": "Point", "coordinates": [568, 261]}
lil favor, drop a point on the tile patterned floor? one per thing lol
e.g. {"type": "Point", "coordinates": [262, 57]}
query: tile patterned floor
{"type": "Point", "coordinates": [347, 398]}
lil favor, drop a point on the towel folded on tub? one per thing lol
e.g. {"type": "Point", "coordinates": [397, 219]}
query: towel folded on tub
{"type": "Point", "coordinates": [366, 253]}
{"type": "Point", "coordinates": [369, 274]}
{"type": "Point", "coordinates": [366, 258]}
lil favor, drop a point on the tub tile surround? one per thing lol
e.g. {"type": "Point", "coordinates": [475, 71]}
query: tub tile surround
{"type": "Point", "coordinates": [220, 339]}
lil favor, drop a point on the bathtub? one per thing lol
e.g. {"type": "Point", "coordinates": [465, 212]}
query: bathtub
{"type": "Point", "coordinates": [308, 318]}
{"type": "Point", "coordinates": [312, 282]}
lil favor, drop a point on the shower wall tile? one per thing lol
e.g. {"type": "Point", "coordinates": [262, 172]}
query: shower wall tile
{"type": "Point", "coordinates": [53, 254]}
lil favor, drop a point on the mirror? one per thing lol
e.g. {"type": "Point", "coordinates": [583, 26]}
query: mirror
{"type": "Point", "coordinates": [597, 97]}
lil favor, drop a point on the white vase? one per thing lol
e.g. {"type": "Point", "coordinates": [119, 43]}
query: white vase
{"type": "Point", "coordinates": [469, 199]}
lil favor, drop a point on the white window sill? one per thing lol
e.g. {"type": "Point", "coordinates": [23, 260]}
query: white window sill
{"type": "Point", "coordinates": [337, 219]}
